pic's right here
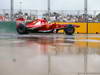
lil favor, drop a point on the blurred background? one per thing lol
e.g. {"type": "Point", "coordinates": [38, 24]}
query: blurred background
{"type": "Point", "coordinates": [53, 10]}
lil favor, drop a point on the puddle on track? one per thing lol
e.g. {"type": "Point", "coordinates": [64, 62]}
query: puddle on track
{"type": "Point", "coordinates": [53, 54]}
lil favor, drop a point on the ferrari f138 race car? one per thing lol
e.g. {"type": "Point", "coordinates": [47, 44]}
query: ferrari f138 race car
{"type": "Point", "coordinates": [42, 26]}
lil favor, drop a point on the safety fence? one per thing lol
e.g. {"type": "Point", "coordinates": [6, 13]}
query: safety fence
{"type": "Point", "coordinates": [54, 15]}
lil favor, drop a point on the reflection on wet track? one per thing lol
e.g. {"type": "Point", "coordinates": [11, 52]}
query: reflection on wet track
{"type": "Point", "coordinates": [49, 54]}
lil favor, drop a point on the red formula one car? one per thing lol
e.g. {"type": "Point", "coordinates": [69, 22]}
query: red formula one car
{"type": "Point", "coordinates": [42, 25]}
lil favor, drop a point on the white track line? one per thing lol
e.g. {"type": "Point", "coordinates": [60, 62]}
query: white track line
{"type": "Point", "coordinates": [84, 40]}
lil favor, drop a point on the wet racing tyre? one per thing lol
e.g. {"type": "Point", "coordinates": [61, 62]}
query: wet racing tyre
{"type": "Point", "coordinates": [69, 30]}
{"type": "Point", "coordinates": [21, 29]}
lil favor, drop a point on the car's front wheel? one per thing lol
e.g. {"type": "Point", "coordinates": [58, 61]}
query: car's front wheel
{"type": "Point", "coordinates": [21, 29]}
{"type": "Point", "coordinates": [69, 30]}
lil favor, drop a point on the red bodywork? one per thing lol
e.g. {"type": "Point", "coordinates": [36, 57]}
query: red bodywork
{"type": "Point", "coordinates": [41, 25]}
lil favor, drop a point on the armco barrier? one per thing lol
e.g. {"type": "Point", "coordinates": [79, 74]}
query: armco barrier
{"type": "Point", "coordinates": [92, 27]}
{"type": "Point", "coordinates": [7, 27]}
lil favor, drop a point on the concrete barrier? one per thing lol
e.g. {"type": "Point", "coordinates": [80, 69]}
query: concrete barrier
{"type": "Point", "coordinates": [92, 27]}
{"type": "Point", "coordinates": [7, 27]}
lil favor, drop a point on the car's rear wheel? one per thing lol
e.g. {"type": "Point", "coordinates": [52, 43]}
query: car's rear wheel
{"type": "Point", "coordinates": [21, 29]}
{"type": "Point", "coordinates": [69, 30]}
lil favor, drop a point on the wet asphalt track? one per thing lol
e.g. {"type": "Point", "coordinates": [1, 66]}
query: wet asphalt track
{"type": "Point", "coordinates": [49, 54]}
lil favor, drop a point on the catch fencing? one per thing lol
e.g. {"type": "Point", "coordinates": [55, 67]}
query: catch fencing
{"type": "Point", "coordinates": [54, 15]}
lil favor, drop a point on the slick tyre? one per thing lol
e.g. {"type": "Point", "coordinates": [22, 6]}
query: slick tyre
{"type": "Point", "coordinates": [69, 30]}
{"type": "Point", "coordinates": [21, 29]}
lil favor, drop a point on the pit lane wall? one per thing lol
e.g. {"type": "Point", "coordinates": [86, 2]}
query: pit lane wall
{"type": "Point", "coordinates": [92, 27]}
{"type": "Point", "coordinates": [7, 27]}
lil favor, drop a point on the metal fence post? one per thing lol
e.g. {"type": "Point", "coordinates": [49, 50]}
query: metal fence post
{"type": "Point", "coordinates": [86, 13]}
{"type": "Point", "coordinates": [12, 10]}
